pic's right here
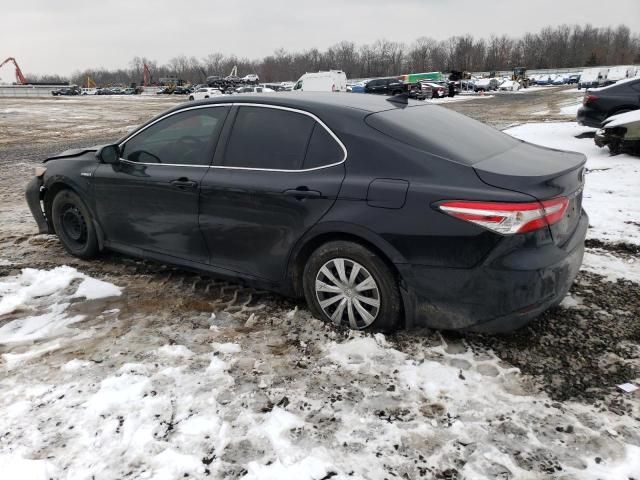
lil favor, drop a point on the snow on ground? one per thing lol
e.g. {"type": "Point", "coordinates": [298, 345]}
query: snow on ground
{"type": "Point", "coordinates": [570, 110]}
{"type": "Point", "coordinates": [612, 188]}
{"type": "Point", "coordinates": [330, 406]}
{"type": "Point", "coordinates": [611, 266]}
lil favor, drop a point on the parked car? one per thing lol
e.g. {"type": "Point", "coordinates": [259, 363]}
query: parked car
{"type": "Point", "coordinates": [66, 91]}
{"type": "Point", "coordinates": [437, 90]}
{"type": "Point", "coordinates": [254, 90]}
{"type": "Point", "coordinates": [88, 91]}
{"type": "Point", "coordinates": [573, 79]}
{"type": "Point", "coordinates": [181, 91]}
{"type": "Point", "coordinates": [381, 213]}
{"type": "Point", "coordinates": [129, 91]}
{"type": "Point", "coordinates": [251, 78]}
{"type": "Point", "coordinates": [509, 86]}
{"type": "Point", "coordinates": [485, 85]}
{"type": "Point", "coordinates": [543, 80]}
{"type": "Point", "coordinates": [330, 81]}
{"type": "Point", "coordinates": [385, 86]}
{"type": "Point", "coordinates": [601, 103]}
{"type": "Point", "coordinates": [621, 133]}
{"type": "Point", "coordinates": [204, 92]}
{"type": "Point", "coordinates": [559, 80]}
{"type": "Point", "coordinates": [104, 91]}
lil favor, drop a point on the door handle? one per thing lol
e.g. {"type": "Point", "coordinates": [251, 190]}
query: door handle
{"type": "Point", "coordinates": [302, 192]}
{"type": "Point", "coordinates": [184, 183]}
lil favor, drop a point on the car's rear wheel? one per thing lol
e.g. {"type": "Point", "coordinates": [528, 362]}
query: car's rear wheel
{"type": "Point", "coordinates": [347, 284]}
{"type": "Point", "coordinates": [191, 97]}
{"type": "Point", "coordinates": [73, 223]}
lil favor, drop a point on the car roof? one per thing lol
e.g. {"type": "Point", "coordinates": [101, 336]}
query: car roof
{"type": "Point", "coordinates": [311, 101]}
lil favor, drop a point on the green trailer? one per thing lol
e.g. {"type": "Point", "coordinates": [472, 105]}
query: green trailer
{"type": "Point", "coordinates": [418, 77]}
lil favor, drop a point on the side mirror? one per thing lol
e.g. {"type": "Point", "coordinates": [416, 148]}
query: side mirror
{"type": "Point", "coordinates": [109, 154]}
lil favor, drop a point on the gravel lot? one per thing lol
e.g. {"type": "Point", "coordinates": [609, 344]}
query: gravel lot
{"type": "Point", "coordinates": [571, 359]}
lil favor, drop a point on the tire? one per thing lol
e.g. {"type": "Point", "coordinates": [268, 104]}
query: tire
{"type": "Point", "coordinates": [73, 224]}
{"type": "Point", "coordinates": [191, 98]}
{"type": "Point", "coordinates": [382, 305]}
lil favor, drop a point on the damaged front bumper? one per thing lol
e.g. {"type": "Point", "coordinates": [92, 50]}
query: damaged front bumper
{"type": "Point", "coordinates": [33, 195]}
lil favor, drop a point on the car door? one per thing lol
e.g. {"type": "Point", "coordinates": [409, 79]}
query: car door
{"type": "Point", "coordinates": [148, 201]}
{"type": "Point", "coordinates": [278, 173]}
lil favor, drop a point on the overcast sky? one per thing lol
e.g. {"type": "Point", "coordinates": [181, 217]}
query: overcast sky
{"type": "Point", "coordinates": [68, 35]}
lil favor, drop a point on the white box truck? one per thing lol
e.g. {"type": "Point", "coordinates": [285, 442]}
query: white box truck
{"type": "Point", "coordinates": [331, 81]}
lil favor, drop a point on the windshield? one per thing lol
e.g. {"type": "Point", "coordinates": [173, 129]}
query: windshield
{"type": "Point", "coordinates": [442, 132]}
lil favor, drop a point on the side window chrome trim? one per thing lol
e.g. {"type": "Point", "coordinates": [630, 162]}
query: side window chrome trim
{"type": "Point", "coordinates": [261, 105]}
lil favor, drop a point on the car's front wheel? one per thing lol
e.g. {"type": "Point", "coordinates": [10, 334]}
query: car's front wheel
{"type": "Point", "coordinates": [191, 97]}
{"type": "Point", "coordinates": [73, 223]}
{"type": "Point", "coordinates": [349, 285]}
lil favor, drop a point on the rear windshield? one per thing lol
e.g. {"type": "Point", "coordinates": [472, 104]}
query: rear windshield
{"type": "Point", "coordinates": [442, 132]}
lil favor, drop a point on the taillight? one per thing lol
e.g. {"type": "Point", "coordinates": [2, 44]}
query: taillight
{"type": "Point", "coordinates": [589, 99]}
{"type": "Point", "coordinates": [508, 218]}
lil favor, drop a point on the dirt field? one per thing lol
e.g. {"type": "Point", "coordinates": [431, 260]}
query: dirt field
{"type": "Point", "coordinates": [572, 357]}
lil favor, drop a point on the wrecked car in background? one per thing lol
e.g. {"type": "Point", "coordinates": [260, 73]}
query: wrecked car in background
{"type": "Point", "coordinates": [621, 133]}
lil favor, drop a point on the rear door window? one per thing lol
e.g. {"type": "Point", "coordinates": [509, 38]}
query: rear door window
{"type": "Point", "coordinates": [268, 138]}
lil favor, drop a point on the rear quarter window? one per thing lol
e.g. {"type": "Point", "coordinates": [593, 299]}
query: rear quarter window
{"type": "Point", "coordinates": [323, 149]}
{"type": "Point", "coordinates": [442, 132]}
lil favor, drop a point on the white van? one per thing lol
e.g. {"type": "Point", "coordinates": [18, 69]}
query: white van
{"type": "Point", "coordinates": [88, 91]}
{"type": "Point", "coordinates": [331, 81]}
{"type": "Point", "coordinates": [593, 77]}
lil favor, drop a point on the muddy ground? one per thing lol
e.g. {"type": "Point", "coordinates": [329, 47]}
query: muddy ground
{"type": "Point", "coordinates": [576, 355]}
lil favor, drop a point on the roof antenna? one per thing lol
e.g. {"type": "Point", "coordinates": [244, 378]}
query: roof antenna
{"type": "Point", "coordinates": [402, 99]}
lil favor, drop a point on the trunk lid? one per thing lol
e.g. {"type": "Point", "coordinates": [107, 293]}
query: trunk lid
{"type": "Point", "coordinates": [543, 173]}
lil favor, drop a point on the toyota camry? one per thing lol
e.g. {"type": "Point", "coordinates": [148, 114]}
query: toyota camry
{"type": "Point", "coordinates": [380, 212]}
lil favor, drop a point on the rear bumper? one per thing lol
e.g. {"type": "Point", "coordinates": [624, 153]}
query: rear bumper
{"type": "Point", "coordinates": [32, 195]}
{"type": "Point", "coordinates": [499, 296]}
{"type": "Point", "coordinates": [590, 117]}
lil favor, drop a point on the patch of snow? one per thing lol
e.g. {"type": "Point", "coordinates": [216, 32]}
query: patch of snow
{"type": "Point", "coordinates": [226, 347]}
{"type": "Point", "coordinates": [32, 283]}
{"type": "Point", "coordinates": [13, 360]}
{"type": "Point", "coordinates": [74, 365]}
{"type": "Point", "coordinates": [93, 289]}
{"type": "Point", "coordinates": [15, 467]}
{"type": "Point", "coordinates": [175, 351]}
{"type": "Point", "coordinates": [611, 266]}
{"type": "Point", "coordinates": [571, 110]}
{"type": "Point", "coordinates": [50, 324]}
{"type": "Point", "coordinates": [46, 292]}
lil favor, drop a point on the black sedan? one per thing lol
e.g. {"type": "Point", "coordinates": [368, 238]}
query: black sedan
{"type": "Point", "coordinates": [382, 212]}
{"type": "Point", "coordinates": [598, 104]}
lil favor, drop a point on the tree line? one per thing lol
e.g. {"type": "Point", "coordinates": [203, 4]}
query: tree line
{"type": "Point", "coordinates": [552, 47]}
